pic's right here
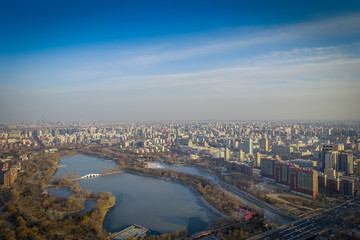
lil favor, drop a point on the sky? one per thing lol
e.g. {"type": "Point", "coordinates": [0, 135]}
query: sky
{"type": "Point", "coordinates": [179, 60]}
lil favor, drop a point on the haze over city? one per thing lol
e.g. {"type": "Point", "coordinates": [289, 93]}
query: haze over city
{"type": "Point", "coordinates": [181, 120]}
{"type": "Point", "coordinates": [179, 60]}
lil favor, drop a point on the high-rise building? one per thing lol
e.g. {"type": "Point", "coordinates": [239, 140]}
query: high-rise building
{"type": "Point", "coordinates": [235, 144]}
{"type": "Point", "coordinates": [257, 159]}
{"type": "Point", "coordinates": [267, 167]}
{"type": "Point", "coordinates": [227, 154]}
{"type": "Point", "coordinates": [264, 144]}
{"type": "Point", "coordinates": [345, 163]}
{"type": "Point", "coordinates": [347, 187]}
{"type": "Point", "coordinates": [241, 156]}
{"type": "Point", "coordinates": [304, 181]}
{"type": "Point", "coordinates": [331, 158]}
{"type": "Point", "coordinates": [325, 149]}
{"type": "Point", "coordinates": [248, 146]}
{"type": "Point", "coordinates": [330, 172]}
{"type": "Point", "coordinates": [282, 172]}
{"type": "Point", "coordinates": [9, 178]}
{"type": "Point", "coordinates": [300, 180]}
{"type": "Point", "coordinates": [282, 150]}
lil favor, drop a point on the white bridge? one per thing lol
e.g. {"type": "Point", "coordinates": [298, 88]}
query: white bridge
{"type": "Point", "coordinates": [94, 175]}
{"type": "Point", "coordinates": [91, 175]}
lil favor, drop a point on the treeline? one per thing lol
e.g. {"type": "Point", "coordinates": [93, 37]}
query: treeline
{"type": "Point", "coordinates": [94, 219]}
{"type": "Point", "coordinates": [237, 230]}
{"type": "Point", "coordinates": [30, 213]}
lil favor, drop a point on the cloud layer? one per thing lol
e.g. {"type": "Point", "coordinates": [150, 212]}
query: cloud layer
{"type": "Point", "coordinates": [302, 71]}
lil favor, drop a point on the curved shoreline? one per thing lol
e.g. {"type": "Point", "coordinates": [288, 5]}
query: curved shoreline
{"type": "Point", "coordinates": [238, 193]}
{"type": "Point", "coordinates": [245, 196]}
{"type": "Point", "coordinates": [200, 196]}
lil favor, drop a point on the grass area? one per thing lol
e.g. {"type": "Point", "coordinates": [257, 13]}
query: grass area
{"type": "Point", "coordinates": [300, 201]}
{"type": "Point", "coordinates": [287, 206]}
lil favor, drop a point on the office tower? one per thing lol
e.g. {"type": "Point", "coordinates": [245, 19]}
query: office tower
{"type": "Point", "coordinates": [248, 146]}
{"type": "Point", "coordinates": [345, 163]}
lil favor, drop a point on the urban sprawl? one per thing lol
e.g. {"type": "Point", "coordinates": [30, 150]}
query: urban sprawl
{"type": "Point", "coordinates": [301, 157]}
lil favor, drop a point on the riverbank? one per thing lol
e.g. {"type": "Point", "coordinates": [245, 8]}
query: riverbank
{"type": "Point", "coordinates": [201, 198]}
{"type": "Point", "coordinates": [128, 186]}
{"type": "Point", "coordinates": [270, 211]}
{"type": "Point", "coordinates": [210, 195]}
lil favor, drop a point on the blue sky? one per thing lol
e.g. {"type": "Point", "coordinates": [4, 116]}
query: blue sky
{"type": "Point", "coordinates": [177, 60]}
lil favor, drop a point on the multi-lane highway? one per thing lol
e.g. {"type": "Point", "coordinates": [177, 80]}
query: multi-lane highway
{"type": "Point", "coordinates": [312, 225]}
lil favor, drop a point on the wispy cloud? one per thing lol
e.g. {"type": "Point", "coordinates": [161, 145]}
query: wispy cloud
{"type": "Point", "coordinates": [272, 79]}
{"type": "Point", "coordinates": [307, 55]}
{"type": "Point", "coordinates": [300, 66]}
{"type": "Point", "coordinates": [238, 39]}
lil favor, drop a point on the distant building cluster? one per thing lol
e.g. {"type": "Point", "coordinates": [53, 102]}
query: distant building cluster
{"type": "Point", "coordinates": [16, 139]}
{"type": "Point", "coordinates": [301, 156]}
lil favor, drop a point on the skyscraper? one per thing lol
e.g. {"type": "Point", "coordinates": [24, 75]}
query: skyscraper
{"type": "Point", "coordinates": [248, 146]}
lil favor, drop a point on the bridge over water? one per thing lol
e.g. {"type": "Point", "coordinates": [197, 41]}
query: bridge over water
{"type": "Point", "coordinates": [94, 175]}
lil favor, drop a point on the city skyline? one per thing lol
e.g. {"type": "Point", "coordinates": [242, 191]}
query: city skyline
{"type": "Point", "coordinates": [123, 61]}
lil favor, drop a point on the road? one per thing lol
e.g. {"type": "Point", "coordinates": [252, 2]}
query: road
{"type": "Point", "coordinates": [310, 226]}
{"type": "Point", "coordinates": [251, 198]}
{"type": "Point", "coordinates": [257, 201]}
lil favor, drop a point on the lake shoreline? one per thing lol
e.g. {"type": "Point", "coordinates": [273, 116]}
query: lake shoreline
{"type": "Point", "coordinates": [201, 197]}
{"type": "Point", "coordinates": [201, 201]}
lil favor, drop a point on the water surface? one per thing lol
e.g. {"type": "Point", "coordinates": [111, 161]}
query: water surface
{"type": "Point", "coordinates": [279, 219]}
{"type": "Point", "coordinates": [160, 205]}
